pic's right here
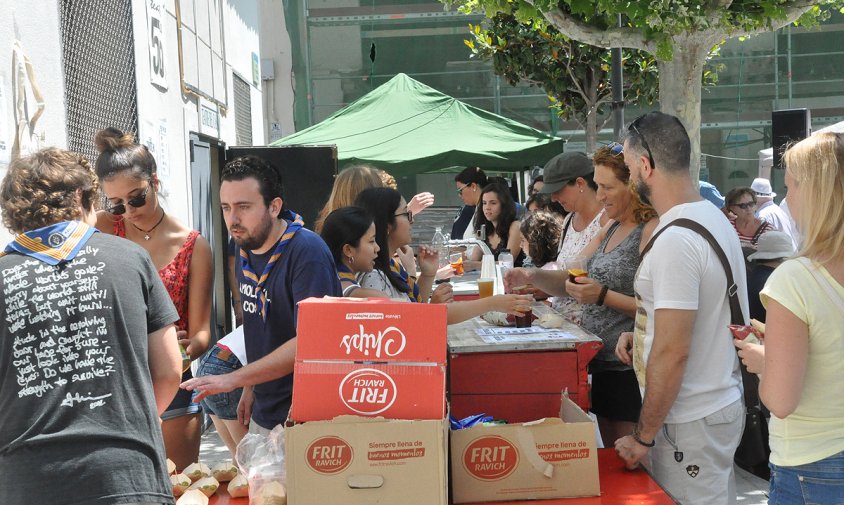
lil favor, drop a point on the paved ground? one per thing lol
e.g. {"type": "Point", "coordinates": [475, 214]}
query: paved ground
{"type": "Point", "coordinates": [751, 489]}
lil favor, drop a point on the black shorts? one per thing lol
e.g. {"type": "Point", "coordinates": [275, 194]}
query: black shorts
{"type": "Point", "coordinates": [615, 395]}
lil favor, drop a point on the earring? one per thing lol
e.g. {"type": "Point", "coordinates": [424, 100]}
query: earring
{"type": "Point", "coordinates": [352, 260]}
{"type": "Point", "coordinates": [581, 191]}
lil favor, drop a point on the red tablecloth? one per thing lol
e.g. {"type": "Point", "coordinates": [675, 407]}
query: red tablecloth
{"type": "Point", "coordinates": [618, 487]}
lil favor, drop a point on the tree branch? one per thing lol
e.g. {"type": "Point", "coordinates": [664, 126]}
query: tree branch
{"type": "Point", "coordinates": [791, 15]}
{"type": "Point", "coordinates": [606, 38]}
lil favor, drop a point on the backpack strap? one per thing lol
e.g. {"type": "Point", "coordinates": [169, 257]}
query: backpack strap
{"type": "Point", "coordinates": [736, 316]}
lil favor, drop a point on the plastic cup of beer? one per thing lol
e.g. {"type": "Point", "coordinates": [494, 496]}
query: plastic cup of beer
{"type": "Point", "coordinates": [485, 287]}
{"type": "Point", "coordinates": [576, 267]}
{"type": "Point", "coordinates": [526, 319]}
{"type": "Point", "coordinates": [456, 262]}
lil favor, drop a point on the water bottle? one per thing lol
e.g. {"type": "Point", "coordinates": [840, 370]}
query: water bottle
{"type": "Point", "coordinates": [438, 244]}
{"type": "Point", "coordinates": [505, 260]}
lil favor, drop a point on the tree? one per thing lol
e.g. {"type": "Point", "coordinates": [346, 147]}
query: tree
{"type": "Point", "coordinates": [679, 33]}
{"type": "Point", "coordinates": [575, 76]}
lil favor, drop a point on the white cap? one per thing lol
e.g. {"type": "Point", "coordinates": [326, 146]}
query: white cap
{"type": "Point", "coordinates": [762, 187]}
{"type": "Point", "coordinates": [773, 245]}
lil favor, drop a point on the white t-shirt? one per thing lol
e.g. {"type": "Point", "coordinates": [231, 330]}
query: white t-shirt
{"type": "Point", "coordinates": [682, 271]}
{"type": "Point", "coordinates": [772, 213]}
{"type": "Point", "coordinates": [795, 233]}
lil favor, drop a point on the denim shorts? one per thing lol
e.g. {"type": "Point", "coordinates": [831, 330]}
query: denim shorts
{"type": "Point", "coordinates": [220, 361]}
{"type": "Point", "coordinates": [820, 482]}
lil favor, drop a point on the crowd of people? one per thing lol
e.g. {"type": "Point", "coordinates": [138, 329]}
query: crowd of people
{"type": "Point", "coordinates": [622, 243]}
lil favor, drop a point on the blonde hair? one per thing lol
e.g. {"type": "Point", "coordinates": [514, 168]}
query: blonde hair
{"type": "Point", "coordinates": [387, 179]}
{"type": "Point", "coordinates": [817, 166]}
{"type": "Point", "coordinates": [348, 184]}
{"type": "Point", "coordinates": [46, 188]}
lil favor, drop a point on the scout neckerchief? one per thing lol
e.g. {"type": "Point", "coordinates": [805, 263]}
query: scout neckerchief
{"type": "Point", "coordinates": [295, 223]}
{"type": "Point", "coordinates": [405, 281]}
{"type": "Point", "coordinates": [52, 244]}
{"type": "Point", "coordinates": [345, 273]}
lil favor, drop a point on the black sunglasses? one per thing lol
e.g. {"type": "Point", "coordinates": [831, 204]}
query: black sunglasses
{"type": "Point", "coordinates": [409, 216]}
{"type": "Point", "coordinates": [136, 202]}
{"type": "Point", "coordinates": [745, 205]}
{"type": "Point", "coordinates": [635, 130]}
{"type": "Point", "coordinates": [460, 190]}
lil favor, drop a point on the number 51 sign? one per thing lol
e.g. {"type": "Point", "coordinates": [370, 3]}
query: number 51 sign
{"type": "Point", "coordinates": [155, 39]}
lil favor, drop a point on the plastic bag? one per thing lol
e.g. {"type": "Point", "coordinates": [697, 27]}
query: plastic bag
{"type": "Point", "coordinates": [261, 459]}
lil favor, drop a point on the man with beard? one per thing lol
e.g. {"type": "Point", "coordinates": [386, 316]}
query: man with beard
{"type": "Point", "coordinates": [681, 348]}
{"type": "Point", "coordinates": [280, 263]}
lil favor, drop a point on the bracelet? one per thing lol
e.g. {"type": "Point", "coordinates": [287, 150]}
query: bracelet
{"type": "Point", "coordinates": [638, 440]}
{"type": "Point", "coordinates": [603, 295]}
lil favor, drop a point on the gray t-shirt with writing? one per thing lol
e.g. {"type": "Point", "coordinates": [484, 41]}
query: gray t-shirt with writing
{"type": "Point", "coordinates": [77, 410]}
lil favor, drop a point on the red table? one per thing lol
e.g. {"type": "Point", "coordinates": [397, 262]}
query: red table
{"type": "Point", "coordinates": [516, 379]}
{"type": "Point", "coordinates": [618, 487]}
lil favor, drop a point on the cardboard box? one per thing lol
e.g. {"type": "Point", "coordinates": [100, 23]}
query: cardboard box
{"type": "Point", "coordinates": [356, 460]}
{"type": "Point", "coordinates": [548, 458]}
{"type": "Point", "coordinates": [369, 358]}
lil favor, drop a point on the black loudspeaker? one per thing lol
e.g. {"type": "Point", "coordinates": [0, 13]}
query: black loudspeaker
{"type": "Point", "coordinates": [787, 127]}
{"type": "Point", "coordinates": [307, 174]}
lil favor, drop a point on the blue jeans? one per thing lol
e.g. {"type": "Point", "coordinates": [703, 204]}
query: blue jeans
{"type": "Point", "coordinates": [219, 361]}
{"type": "Point", "coordinates": [818, 483]}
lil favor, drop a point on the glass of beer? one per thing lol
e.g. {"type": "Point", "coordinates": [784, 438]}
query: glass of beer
{"type": "Point", "coordinates": [485, 287]}
{"type": "Point", "coordinates": [576, 267]}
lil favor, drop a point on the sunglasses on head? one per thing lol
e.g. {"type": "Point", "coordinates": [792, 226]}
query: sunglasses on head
{"type": "Point", "coordinates": [136, 202]}
{"type": "Point", "coordinates": [635, 129]}
{"type": "Point", "coordinates": [616, 148]}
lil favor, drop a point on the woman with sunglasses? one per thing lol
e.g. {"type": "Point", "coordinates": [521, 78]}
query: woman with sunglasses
{"type": "Point", "coordinates": [741, 203]}
{"type": "Point", "coordinates": [127, 173]}
{"type": "Point", "coordinates": [469, 183]}
{"type": "Point", "coordinates": [359, 238]}
{"type": "Point", "coordinates": [606, 293]}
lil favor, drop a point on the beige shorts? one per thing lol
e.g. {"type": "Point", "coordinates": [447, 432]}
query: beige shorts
{"type": "Point", "coordinates": [693, 461]}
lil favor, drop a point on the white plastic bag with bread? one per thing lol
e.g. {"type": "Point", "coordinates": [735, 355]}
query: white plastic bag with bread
{"type": "Point", "coordinates": [261, 459]}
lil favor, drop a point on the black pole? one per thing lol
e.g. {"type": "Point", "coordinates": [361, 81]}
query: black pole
{"type": "Point", "coordinates": [617, 83]}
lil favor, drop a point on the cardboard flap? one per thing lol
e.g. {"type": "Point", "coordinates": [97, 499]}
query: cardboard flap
{"type": "Point", "coordinates": [545, 421]}
{"type": "Point", "coordinates": [365, 481]}
{"type": "Point", "coordinates": [527, 446]}
{"type": "Point", "coordinates": [571, 413]}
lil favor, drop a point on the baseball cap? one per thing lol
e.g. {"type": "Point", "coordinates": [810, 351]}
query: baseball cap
{"type": "Point", "coordinates": [564, 168]}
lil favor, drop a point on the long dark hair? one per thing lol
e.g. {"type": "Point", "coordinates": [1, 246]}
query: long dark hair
{"type": "Point", "coordinates": [508, 212]}
{"type": "Point", "coordinates": [382, 204]}
{"type": "Point", "coordinates": [342, 226]}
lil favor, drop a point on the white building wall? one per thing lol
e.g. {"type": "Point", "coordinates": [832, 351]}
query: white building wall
{"type": "Point", "coordinates": [278, 92]}
{"type": "Point", "coordinates": [41, 41]}
{"type": "Point", "coordinates": [167, 117]}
